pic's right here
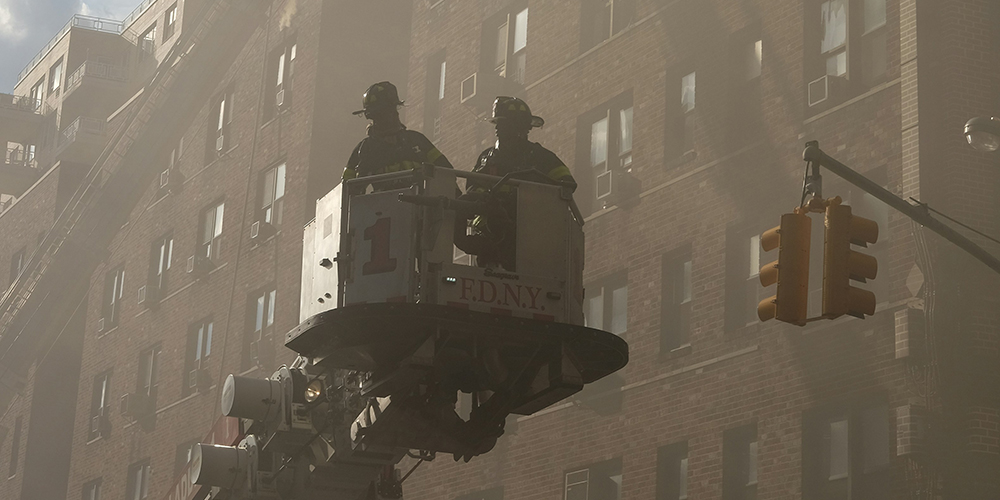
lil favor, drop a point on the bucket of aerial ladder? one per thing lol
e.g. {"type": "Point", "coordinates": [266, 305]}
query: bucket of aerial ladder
{"type": "Point", "coordinates": [397, 323]}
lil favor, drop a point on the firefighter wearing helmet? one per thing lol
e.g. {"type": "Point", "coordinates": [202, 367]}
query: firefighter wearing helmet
{"type": "Point", "coordinates": [492, 239]}
{"type": "Point", "coordinates": [389, 147]}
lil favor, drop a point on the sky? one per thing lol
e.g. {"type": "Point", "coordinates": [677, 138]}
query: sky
{"type": "Point", "coordinates": [27, 25]}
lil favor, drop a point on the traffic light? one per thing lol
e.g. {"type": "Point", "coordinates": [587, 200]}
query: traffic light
{"type": "Point", "coordinates": [841, 264]}
{"type": "Point", "coordinates": [790, 271]}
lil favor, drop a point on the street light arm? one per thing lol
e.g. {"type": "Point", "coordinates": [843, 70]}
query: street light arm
{"type": "Point", "coordinates": [814, 154]}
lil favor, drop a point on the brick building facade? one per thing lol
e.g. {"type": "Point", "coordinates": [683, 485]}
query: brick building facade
{"type": "Point", "coordinates": [700, 110]}
{"type": "Point", "coordinates": [684, 124]}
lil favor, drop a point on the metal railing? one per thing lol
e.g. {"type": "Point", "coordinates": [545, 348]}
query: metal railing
{"type": "Point", "coordinates": [97, 70]}
{"type": "Point", "coordinates": [20, 102]}
{"type": "Point", "coordinates": [20, 158]}
{"type": "Point", "coordinates": [77, 21]}
{"type": "Point", "coordinates": [81, 124]}
{"type": "Point", "coordinates": [129, 19]}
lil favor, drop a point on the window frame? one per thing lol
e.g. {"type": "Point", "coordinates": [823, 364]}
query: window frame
{"type": "Point", "coordinates": [147, 371]}
{"type": "Point", "coordinates": [15, 447]}
{"type": "Point", "coordinates": [740, 463]}
{"type": "Point", "coordinates": [147, 40]}
{"type": "Point", "coordinates": [93, 487]}
{"type": "Point", "coordinates": [270, 206]}
{"type": "Point", "coordinates": [17, 263]}
{"type": "Point", "coordinates": [198, 349]}
{"type": "Point", "coordinates": [100, 404]}
{"type": "Point", "coordinates": [606, 470]}
{"type": "Point", "coordinates": [210, 248]}
{"type": "Point", "coordinates": [616, 112]}
{"type": "Point", "coordinates": [677, 295]}
{"type": "Point", "coordinates": [138, 479]}
{"type": "Point", "coordinates": [160, 262]}
{"type": "Point", "coordinates": [867, 417]}
{"type": "Point", "coordinates": [436, 79]}
{"type": "Point", "coordinates": [500, 33]}
{"type": "Point", "coordinates": [114, 293]}
{"type": "Point", "coordinates": [170, 22]}
{"type": "Point", "coordinates": [672, 471]}
{"type": "Point", "coordinates": [260, 318]}
{"type": "Point", "coordinates": [220, 118]}
{"type": "Point", "coordinates": [607, 287]}
{"type": "Point", "coordinates": [55, 77]}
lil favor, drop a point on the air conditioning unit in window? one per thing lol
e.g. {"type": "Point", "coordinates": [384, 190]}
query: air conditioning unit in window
{"type": "Point", "coordinates": [136, 405]}
{"type": "Point", "coordinates": [198, 266]}
{"type": "Point", "coordinates": [164, 179]}
{"type": "Point", "coordinates": [262, 352]}
{"type": "Point", "coordinates": [480, 88]}
{"type": "Point", "coordinates": [171, 181]}
{"type": "Point", "coordinates": [616, 187]}
{"type": "Point", "coordinates": [148, 295]}
{"type": "Point", "coordinates": [282, 98]}
{"type": "Point", "coordinates": [827, 89]}
{"type": "Point", "coordinates": [199, 380]}
{"type": "Point", "coordinates": [469, 88]}
{"type": "Point", "coordinates": [100, 423]}
{"type": "Point", "coordinates": [220, 143]}
{"type": "Point", "coordinates": [100, 325]}
{"type": "Point", "coordinates": [260, 231]}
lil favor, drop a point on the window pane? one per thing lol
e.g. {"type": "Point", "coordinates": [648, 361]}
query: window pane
{"type": "Point", "coordinates": [619, 310]}
{"type": "Point", "coordinates": [222, 113]}
{"type": "Point", "coordinates": [218, 219]}
{"type": "Point", "coordinates": [753, 59]}
{"type": "Point", "coordinates": [501, 55]}
{"type": "Point", "coordinates": [595, 312]}
{"type": "Point", "coordinates": [270, 308]}
{"type": "Point", "coordinates": [687, 92]}
{"type": "Point", "coordinates": [836, 65]}
{"type": "Point", "coordinates": [833, 23]}
{"type": "Point", "coordinates": [625, 116]}
{"type": "Point", "coordinates": [874, 15]}
{"type": "Point", "coordinates": [208, 226]}
{"type": "Point", "coordinates": [259, 324]}
{"type": "Point", "coordinates": [521, 30]}
{"type": "Point", "coordinates": [441, 80]}
{"type": "Point", "coordinates": [682, 477]}
{"type": "Point", "coordinates": [685, 294]}
{"type": "Point", "coordinates": [281, 68]}
{"type": "Point", "coordinates": [752, 463]}
{"type": "Point", "coordinates": [197, 347]}
{"type": "Point", "coordinates": [268, 186]}
{"type": "Point", "coordinates": [754, 255]}
{"type": "Point", "coordinates": [208, 340]}
{"type": "Point", "coordinates": [599, 142]}
{"type": "Point", "coordinates": [839, 462]}
{"type": "Point", "coordinates": [279, 182]}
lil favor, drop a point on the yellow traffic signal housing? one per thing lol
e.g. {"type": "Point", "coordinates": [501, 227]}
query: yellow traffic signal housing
{"type": "Point", "coordinates": [841, 264]}
{"type": "Point", "coordinates": [790, 272]}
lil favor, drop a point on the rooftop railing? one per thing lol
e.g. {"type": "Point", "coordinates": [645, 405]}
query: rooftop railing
{"type": "Point", "coordinates": [77, 21]}
{"type": "Point", "coordinates": [20, 102]}
{"type": "Point", "coordinates": [96, 70]}
{"type": "Point", "coordinates": [81, 124]}
{"type": "Point", "coordinates": [129, 19]}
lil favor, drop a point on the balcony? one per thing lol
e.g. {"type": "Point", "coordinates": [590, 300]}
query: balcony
{"type": "Point", "coordinates": [77, 21]}
{"type": "Point", "coordinates": [20, 118]}
{"type": "Point", "coordinates": [95, 89]}
{"type": "Point", "coordinates": [18, 171]}
{"type": "Point", "coordinates": [82, 141]}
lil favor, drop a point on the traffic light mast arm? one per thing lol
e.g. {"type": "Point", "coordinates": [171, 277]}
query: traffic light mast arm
{"type": "Point", "coordinates": [816, 155]}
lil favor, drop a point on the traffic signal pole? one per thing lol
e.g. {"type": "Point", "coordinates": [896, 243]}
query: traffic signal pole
{"type": "Point", "coordinates": [813, 154]}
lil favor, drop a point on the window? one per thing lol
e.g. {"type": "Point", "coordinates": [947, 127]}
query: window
{"type": "Point", "coordinates": [169, 22]}
{"type": "Point", "coordinates": [100, 407]}
{"type": "Point", "coordinates": [160, 258]}
{"type": "Point", "coordinates": [17, 262]}
{"type": "Point", "coordinates": [15, 448]}
{"type": "Point", "coordinates": [606, 303]}
{"type": "Point", "coordinates": [220, 117]}
{"type": "Point", "coordinates": [602, 19]}
{"type": "Point", "coordinates": [114, 290]}
{"type": "Point", "coordinates": [38, 93]}
{"type": "Point", "coordinates": [434, 98]}
{"type": "Point", "coordinates": [138, 481]}
{"type": "Point", "coordinates": [199, 348]}
{"type": "Point", "coordinates": [601, 481]}
{"type": "Point", "coordinates": [608, 133]}
{"type": "Point", "coordinates": [282, 63]}
{"type": "Point", "coordinates": [147, 41]}
{"type": "Point", "coordinates": [258, 346]}
{"type": "Point", "coordinates": [743, 262]}
{"type": "Point", "coordinates": [508, 35]}
{"type": "Point", "coordinates": [271, 193]}
{"type": "Point", "coordinates": [676, 300]}
{"type": "Point", "coordinates": [175, 155]}
{"type": "Point", "coordinates": [746, 53]}
{"type": "Point", "coordinates": [55, 77]}
{"type": "Point", "coordinates": [490, 494]}
{"type": "Point", "coordinates": [210, 242]}
{"type": "Point", "coordinates": [848, 44]}
{"type": "Point", "coordinates": [845, 452]}
{"type": "Point", "coordinates": [687, 111]}
{"type": "Point", "coordinates": [146, 376]}
{"type": "Point", "coordinates": [672, 472]}
{"type": "Point", "coordinates": [92, 490]}
{"type": "Point", "coordinates": [739, 463]}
